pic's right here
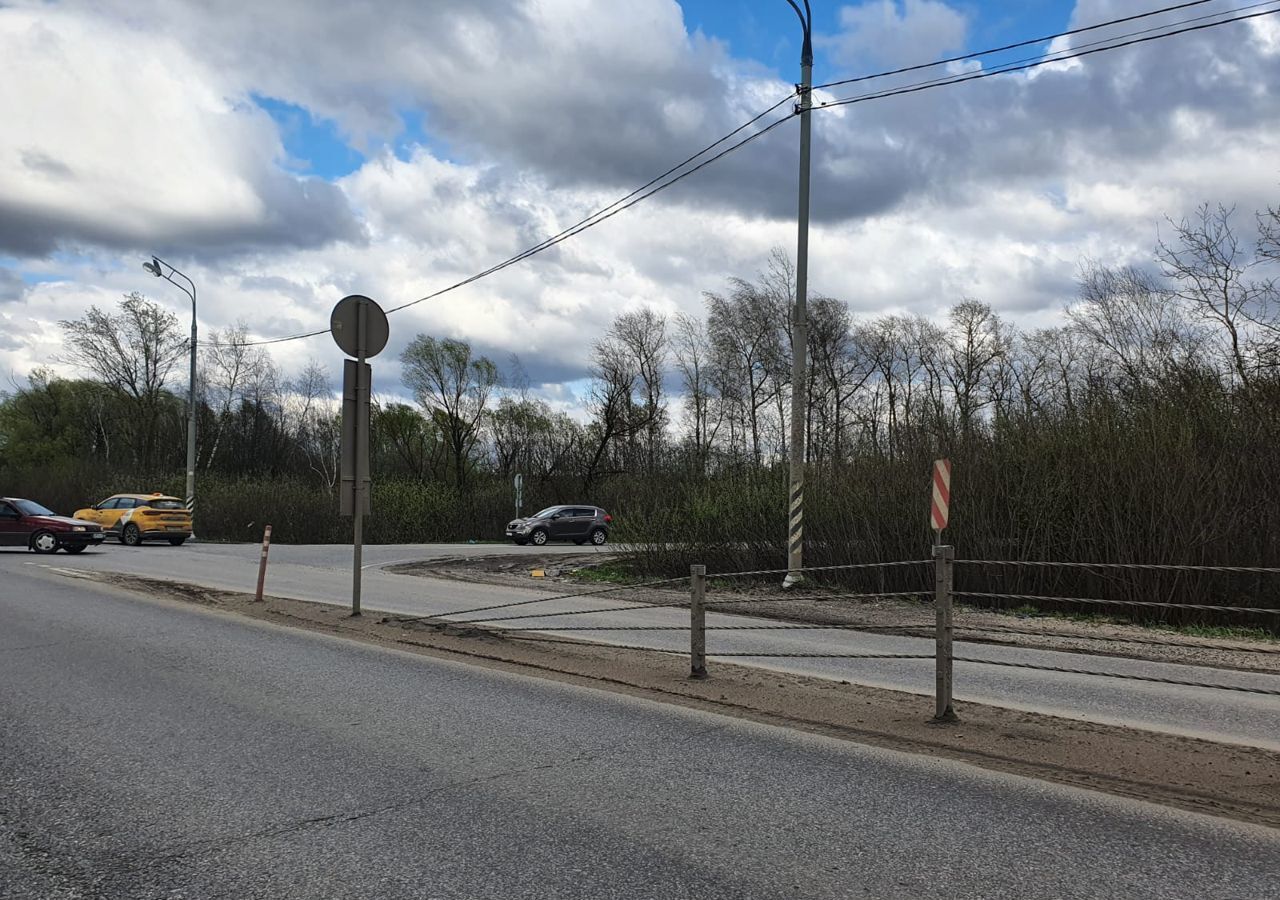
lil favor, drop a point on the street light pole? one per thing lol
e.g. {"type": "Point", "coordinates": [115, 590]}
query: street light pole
{"type": "Point", "coordinates": [799, 322]}
{"type": "Point", "coordinates": [157, 267]}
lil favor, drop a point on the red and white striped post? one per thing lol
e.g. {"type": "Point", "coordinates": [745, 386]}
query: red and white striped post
{"type": "Point", "coordinates": [943, 576]}
{"type": "Point", "coordinates": [262, 564]}
{"type": "Point", "coordinates": [940, 508]}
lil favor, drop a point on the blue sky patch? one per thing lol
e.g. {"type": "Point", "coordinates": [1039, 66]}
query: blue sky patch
{"type": "Point", "coordinates": [315, 147]}
{"type": "Point", "coordinates": [763, 30]}
{"type": "Point", "coordinates": [769, 32]}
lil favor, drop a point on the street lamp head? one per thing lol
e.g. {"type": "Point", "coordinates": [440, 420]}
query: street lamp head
{"type": "Point", "coordinates": [153, 267]}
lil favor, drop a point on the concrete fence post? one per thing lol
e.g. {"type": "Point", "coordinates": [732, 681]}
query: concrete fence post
{"type": "Point", "coordinates": [943, 583]}
{"type": "Point", "coordinates": [262, 564]}
{"type": "Point", "coordinates": [697, 622]}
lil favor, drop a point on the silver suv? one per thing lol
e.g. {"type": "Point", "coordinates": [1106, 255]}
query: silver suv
{"type": "Point", "coordinates": [580, 524]}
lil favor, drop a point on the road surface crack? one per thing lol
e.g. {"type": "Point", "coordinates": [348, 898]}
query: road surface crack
{"type": "Point", "coordinates": [343, 818]}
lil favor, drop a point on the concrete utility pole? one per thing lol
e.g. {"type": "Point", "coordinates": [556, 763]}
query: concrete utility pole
{"type": "Point", "coordinates": [799, 320]}
{"type": "Point", "coordinates": [157, 268]}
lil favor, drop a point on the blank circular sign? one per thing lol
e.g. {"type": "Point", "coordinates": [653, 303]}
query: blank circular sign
{"type": "Point", "coordinates": [345, 324]}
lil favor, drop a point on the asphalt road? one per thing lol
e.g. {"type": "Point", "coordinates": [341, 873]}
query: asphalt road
{"type": "Point", "coordinates": [153, 749]}
{"type": "Point", "coordinates": [322, 573]}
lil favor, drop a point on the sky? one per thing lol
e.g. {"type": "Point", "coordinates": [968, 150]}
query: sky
{"type": "Point", "coordinates": [285, 155]}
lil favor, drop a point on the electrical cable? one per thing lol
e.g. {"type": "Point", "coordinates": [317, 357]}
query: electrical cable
{"type": "Point", "coordinates": [1056, 58]}
{"type": "Point", "coordinates": [648, 189]}
{"type": "Point", "coordinates": [599, 215]}
{"type": "Point", "coordinates": [1025, 43]}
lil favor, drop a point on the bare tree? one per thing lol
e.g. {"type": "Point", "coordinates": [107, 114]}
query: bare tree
{"type": "Point", "coordinates": [611, 404]}
{"type": "Point", "coordinates": [1051, 370]}
{"type": "Point", "coordinates": [528, 437]}
{"type": "Point", "coordinates": [1212, 274]}
{"type": "Point", "coordinates": [1127, 315]}
{"type": "Point", "coordinates": [642, 335]}
{"type": "Point", "coordinates": [1269, 234]}
{"type": "Point", "coordinates": [515, 378]}
{"type": "Point", "coordinates": [454, 387]}
{"type": "Point", "coordinates": [313, 417]}
{"type": "Point", "coordinates": [133, 352]}
{"type": "Point", "coordinates": [837, 371]}
{"type": "Point", "coordinates": [747, 343]}
{"type": "Point", "coordinates": [976, 344]}
{"type": "Point", "coordinates": [902, 351]}
{"type": "Point", "coordinates": [232, 371]}
{"type": "Point", "coordinates": [692, 351]}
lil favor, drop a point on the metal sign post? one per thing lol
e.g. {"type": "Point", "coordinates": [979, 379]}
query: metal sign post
{"type": "Point", "coordinates": [359, 327]}
{"type": "Point", "coordinates": [519, 494]}
{"type": "Point", "coordinates": [943, 585]}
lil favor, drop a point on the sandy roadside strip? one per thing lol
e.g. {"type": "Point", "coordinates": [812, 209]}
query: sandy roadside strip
{"type": "Point", "coordinates": [1226, 780]}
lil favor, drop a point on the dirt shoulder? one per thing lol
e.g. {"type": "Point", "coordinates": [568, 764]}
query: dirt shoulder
{"type": "Point", "coordinates": [1201, 776]}
{"type": "Point", "coordinates": [972, 625]}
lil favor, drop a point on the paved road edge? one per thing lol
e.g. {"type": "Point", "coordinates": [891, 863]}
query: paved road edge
{"type": "Point", "coordinates": [1201, 776]}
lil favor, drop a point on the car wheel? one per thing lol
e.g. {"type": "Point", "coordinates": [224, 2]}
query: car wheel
{"type": "Point", "coordinates": [75, 548]}
{"type": "Point", "coordinates": [44, 542]}
{"type": "Point", "coordinates": [177, 541]}
{"type": "Point", "coordinates": [598, 537]}
{"type": "Point", "coordinates": [539, 537]}
{"type": "Point", "coordinates": [131, 536]}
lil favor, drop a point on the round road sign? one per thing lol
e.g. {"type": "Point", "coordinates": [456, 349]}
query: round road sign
{"type": "Point", "coordinates": [345, 324]}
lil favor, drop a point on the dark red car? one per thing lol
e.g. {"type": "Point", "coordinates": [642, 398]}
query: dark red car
{"type": "Point", "coordinates": [30, 525]}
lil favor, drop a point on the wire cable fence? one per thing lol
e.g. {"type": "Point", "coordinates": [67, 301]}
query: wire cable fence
{"type": "Point", "coordinates": [813, 570]}
{"type": "Point", "coordinates": [1154, 604]}
{"type": "Point", "coordinates": [1170, 593]}
{"type": "Point", "coordinates": [1112, 638]}
{"type": "Point", "coordinates": [1124, 676]}
{"type": "Point", "coordinates": [546, 627]}
{"type": "Point", "coordinates": [830, 597]}
{"type": "Point", "coordinates": [1157, 567]}
{"type": "Point", "coordinates": [566, 596]}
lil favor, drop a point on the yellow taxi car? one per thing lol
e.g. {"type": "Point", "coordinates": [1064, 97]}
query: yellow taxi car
{"type": "Point", "coordinates": [134, 518]}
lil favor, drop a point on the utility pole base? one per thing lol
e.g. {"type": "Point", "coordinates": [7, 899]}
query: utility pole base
{"type": "Point", "coordinates": [792, 579]}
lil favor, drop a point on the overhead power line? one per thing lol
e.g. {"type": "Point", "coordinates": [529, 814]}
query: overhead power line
{"type": "Point", "coordinates": [599, 215]}
{"type": "Point", "coordinates": [657, 184]}
{"type": "Point", "coordinates": [1020, 44]}
{"type": "Point", "coordinates": [1062, 56]}
{"type": "Point", "coordinates": [591, 222]}
{"type": "Point", "coordinates": [281, 340]}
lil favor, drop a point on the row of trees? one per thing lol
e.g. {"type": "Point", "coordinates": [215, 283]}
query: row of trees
{"type": "Point", "coordinates": [1208, 315]}
{"type": "Point", "coordinates": [1161, 384]}
{"type": "Point", "coordinates": [680, 392]}
{"type": "Point", "coordinates": [126, 416]}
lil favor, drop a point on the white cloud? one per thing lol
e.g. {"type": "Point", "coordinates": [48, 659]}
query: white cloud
{"type": "Point", "coordinates": [888, 33]}
{"type": "Point", "coordinates": [114, 136]}
{"type": "Point", "coordinates": [134, 136]}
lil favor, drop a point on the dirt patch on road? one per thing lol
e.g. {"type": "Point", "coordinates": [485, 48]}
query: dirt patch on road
{"type": "Point", "coordinates": [563, 574]}
{"type": "Point", "coordinates": [1202, 776]}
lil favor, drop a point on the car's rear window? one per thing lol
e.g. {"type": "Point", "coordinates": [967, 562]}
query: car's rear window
{"type": "Point", "coordinates": [32, 509]}
{"type": "Point", "coordinates": [166, 504]}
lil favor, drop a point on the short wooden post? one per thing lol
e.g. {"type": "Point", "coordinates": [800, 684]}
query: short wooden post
{"type": "Point", "coordinates": [943, 575]}
{"type": "Point", "coordinates": [697, 622]}
{"type": "Point", "coordinates": [262, 564]}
